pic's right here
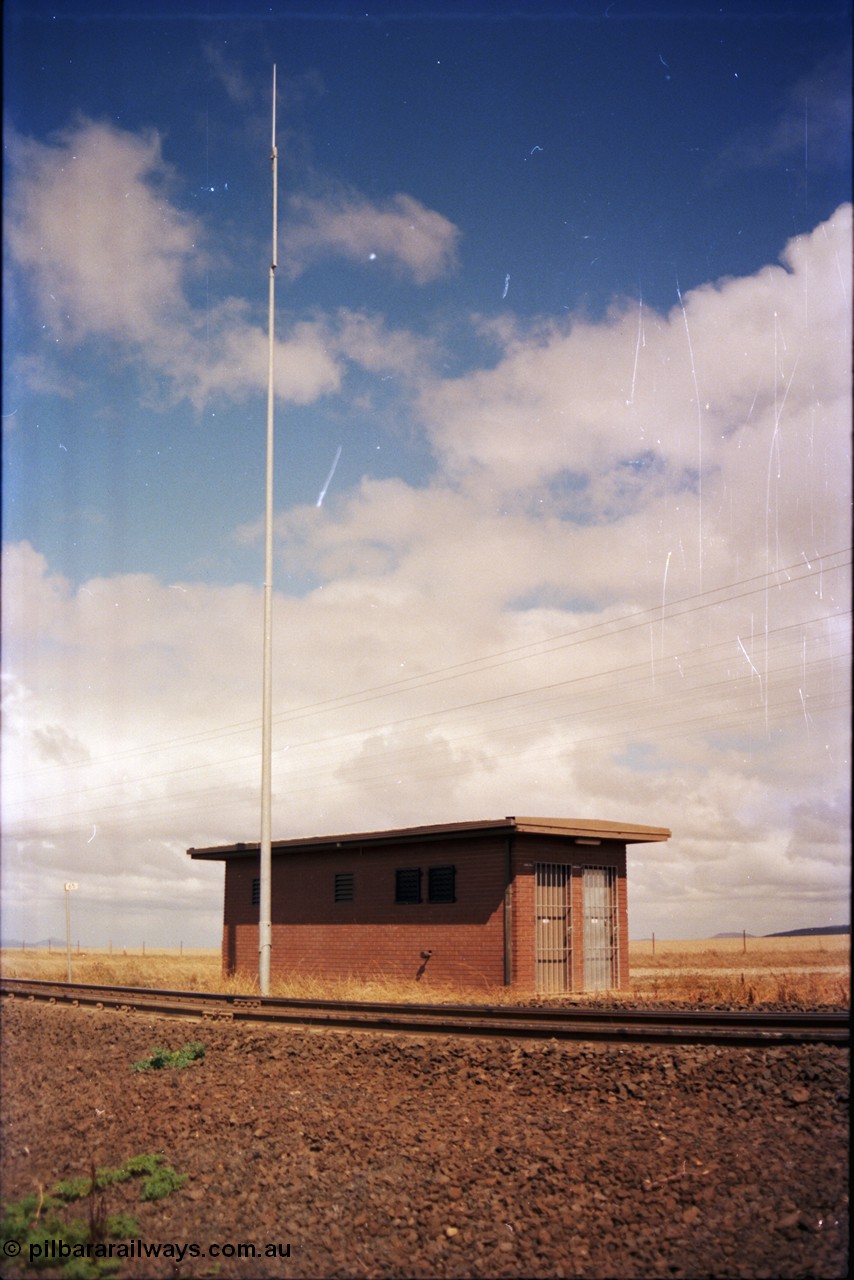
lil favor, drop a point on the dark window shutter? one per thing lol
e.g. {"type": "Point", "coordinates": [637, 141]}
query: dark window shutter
{"type": "Point", "coordinates": [407, 885]}
{"type": "Point", "coordinates": [256, 892]}
{"type": "Point", "coordinates": [441, 884]}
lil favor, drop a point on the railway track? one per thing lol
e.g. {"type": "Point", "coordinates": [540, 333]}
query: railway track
{"type": "Point", "coordinates": [662, 1026]}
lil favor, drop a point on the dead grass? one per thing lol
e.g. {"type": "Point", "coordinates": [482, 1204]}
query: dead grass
{"type": "Point", "coordinates": [813, 949]}
{"type": "Point", "coordinates": [803, 990]}
{"type": "Point", "coordinates": [202, 971]}
{"type": "Point", "coordinates": [192, 971]}
{"type": "Point", "coordinates": [807, 972]}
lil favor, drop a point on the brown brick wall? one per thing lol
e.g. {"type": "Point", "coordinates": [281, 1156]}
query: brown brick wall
{"type": "Point", "coordinates": [374, 936]}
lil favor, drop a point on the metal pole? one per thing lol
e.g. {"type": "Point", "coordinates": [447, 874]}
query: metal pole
{"type": "Point", "coordinates": [69, 886]}
{"type": "Point", "coordinates": [67, 938]}
{"type": "Point", "coordinates": [265, 848]}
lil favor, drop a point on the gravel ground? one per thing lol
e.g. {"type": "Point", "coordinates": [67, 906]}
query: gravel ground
{"type": "Point", "coordinates": [395, 1156]}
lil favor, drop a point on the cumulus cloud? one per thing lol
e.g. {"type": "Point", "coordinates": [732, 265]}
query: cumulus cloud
{"type": "Point", "coordinates": [401, 233]}
{"type": "Point", "coordinates": [90, 218]}
{"type": "Point", "coordinates": [108, 255]}
{"type": "Point", "coordinates": [233, 360]}
{"type": "Point", "coordinates": [741, 389]}
{"type": "Point", "coordinates": [369, 342]}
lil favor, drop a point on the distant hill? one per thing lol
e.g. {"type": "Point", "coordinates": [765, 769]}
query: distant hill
{"type": "Point", "coordinates": [802, 933]}
{"type": "Point", "coordinates": [791, 933]}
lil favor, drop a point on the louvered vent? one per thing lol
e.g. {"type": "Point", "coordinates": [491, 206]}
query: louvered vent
{"type": "Point", "coordinates": [345, 886]}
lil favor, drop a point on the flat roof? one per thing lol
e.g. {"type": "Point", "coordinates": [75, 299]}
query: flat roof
{"type": "Point", "coordinates": [569, 828]}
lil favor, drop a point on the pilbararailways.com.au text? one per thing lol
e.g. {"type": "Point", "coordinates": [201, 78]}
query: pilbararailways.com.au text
{"type": "Point", "coordinates": [59, 1250]}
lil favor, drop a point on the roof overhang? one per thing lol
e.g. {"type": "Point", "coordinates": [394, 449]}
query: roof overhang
{"type": "Point", "coordinates": [585, 830]}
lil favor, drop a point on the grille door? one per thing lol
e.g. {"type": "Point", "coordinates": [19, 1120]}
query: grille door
{"type": "Point", "coordinates": [553, 928]}
{"type": "Point", "coordinates": [600, 928]}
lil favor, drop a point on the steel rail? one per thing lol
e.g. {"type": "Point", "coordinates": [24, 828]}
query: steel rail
{"type": "Point", "coordinates": [748, 1028]}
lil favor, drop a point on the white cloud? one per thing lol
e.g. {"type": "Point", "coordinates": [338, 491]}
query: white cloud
{"type": "Point", "coordinates": [234, 360]}
{"type": "Point", "coordinates": [90, 218]}
{"type": "Point", "coordinates": [108, 255]}
{"type": "Point", "coordinates": [402, 232]}
{"type": "Point", "coordinates": [369, 342]}
{"type": "Point", "coordinates": [643, 402]}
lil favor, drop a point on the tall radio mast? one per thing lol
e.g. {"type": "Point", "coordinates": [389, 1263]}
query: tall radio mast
{"type": "Point", "coordinates": [265, 906]}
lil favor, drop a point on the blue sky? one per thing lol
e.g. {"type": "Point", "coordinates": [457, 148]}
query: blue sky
{"type": "Point", "coordinates": [564, 290]}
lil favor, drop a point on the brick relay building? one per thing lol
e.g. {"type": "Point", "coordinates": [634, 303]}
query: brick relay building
{"type": "Point", "coordinates": [534, 903]}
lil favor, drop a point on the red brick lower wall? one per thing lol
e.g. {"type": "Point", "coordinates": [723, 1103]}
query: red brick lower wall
{"type": "Point", "coordinates": [373, 936]}
{"type": "Point", "coordinates": [460, 954]}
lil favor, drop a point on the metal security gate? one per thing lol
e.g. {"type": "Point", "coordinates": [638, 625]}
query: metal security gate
{"type": "Point", "coordinates": [599, 896]}
{"type": "Point", "coordinates": [553, 926]}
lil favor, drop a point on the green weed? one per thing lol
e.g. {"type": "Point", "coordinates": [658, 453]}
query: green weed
{"type": "Point", "coordinates": [177, 1058]}
{"type": "Point", "coordinates": [40, 1226]}
{"type": "Point", "coordinates": [159, 1182]}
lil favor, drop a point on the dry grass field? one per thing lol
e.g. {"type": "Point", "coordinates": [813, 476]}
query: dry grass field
{"type": "Point", "coordinates": [807, 971]}
{"type": "Point", "coordinates": [168, 970]}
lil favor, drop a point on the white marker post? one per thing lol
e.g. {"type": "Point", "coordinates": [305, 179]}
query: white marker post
{"type": "Point", "coordinates": [70, 886]}
{"type": "Point", "coordinates": [265, 929]}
